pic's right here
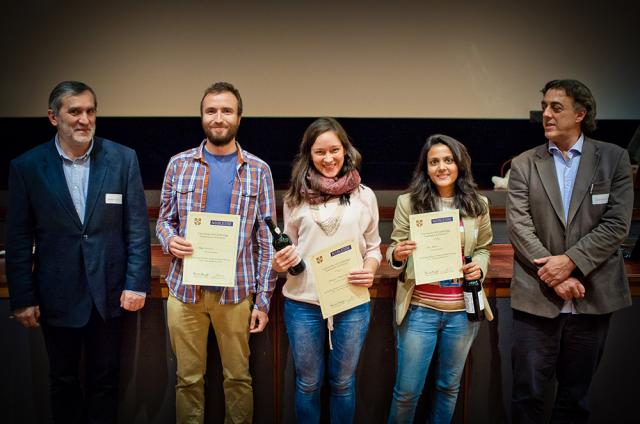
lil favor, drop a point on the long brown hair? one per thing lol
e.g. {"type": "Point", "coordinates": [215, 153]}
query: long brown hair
{"type": "Point", "coordinates": [303, 162]}
{"type": "Point", "coordinates": [424, 194]}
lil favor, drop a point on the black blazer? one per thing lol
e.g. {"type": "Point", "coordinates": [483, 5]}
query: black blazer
{"type": "Point", "coordinates": [60, 264]}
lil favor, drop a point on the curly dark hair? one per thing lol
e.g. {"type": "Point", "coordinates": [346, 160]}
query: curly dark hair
{"type": "Point", "coordinates": [582, 100]}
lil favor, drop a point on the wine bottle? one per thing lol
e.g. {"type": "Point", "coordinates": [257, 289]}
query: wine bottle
{"type": "Point", "coordinates": [280, 241]}
{"type": "Point", "coordinates": [473, 299]}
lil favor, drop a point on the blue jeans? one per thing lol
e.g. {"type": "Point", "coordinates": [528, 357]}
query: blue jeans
{"type": "Point", "coordinates": [308, 338]}
{"type": "Point", "coordinates": [422, 330]}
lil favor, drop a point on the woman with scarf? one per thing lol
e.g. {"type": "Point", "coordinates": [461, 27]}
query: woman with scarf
{"type": "Point", "coordinates": [432, 316]}
{"type": "Point", "coordinates": [324, 205]}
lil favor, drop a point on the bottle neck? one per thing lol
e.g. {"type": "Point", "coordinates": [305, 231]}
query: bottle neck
{"type": "Point", "coordinates": [275, 231]}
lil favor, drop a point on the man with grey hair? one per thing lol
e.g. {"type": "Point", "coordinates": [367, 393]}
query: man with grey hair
{"type": "Point", "coordinates": [78, 252]}
{"type": "Point", "coordinates": [568, 211]}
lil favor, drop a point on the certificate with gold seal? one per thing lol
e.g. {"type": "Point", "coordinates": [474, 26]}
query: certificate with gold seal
{"type": "Point", "coordinates": [331, 268]}
{"type": "Point", "coordinates": [438, 254]}
{"type": "Point", "coordinates": [214, 237]}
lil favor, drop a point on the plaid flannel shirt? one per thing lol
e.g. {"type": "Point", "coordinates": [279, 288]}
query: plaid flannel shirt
{"type": "Point", "coordinates": [252, 198]}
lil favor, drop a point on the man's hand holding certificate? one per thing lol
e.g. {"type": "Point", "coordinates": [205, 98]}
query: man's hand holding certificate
{"type": "Point", "coordinates": [331, 268]}
{"type": "Point", "coordinates": [438, 254]}
{"type": "Point", "coordinates": [214, 237]}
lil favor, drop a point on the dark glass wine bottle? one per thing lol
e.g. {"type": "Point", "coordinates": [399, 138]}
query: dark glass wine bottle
{"type": "Point", "coordinates": [473, 299]}
{"type": "Point", "coordinates": [280, 241]}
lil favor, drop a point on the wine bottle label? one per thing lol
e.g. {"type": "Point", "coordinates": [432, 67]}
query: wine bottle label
{"type": "Point", "coordinates": [468, 302]}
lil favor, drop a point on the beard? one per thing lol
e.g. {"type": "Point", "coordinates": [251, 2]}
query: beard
{"type": "Point", "coordinates": [67, 133]}
{"type": "Point", "coordinates": [221, 140]}
{"type": "Point", "coordinates": [88, 138]}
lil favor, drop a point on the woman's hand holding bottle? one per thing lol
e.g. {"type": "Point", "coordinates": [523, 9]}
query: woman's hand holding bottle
{"type": "Point", "coordinates": [285, 258]}
{"type": "Point", "coordinates": [471, 271]}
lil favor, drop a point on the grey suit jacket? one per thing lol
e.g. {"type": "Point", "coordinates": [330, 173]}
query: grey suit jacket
{"type": "Point", "coordinates": [598, 222]}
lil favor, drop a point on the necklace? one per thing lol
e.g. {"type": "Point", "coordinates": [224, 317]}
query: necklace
{"type": "Point", "coordinates": [331, 224]}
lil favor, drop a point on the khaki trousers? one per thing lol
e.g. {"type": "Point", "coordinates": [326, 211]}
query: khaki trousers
{"type": "Point", "coordinates": [189, 330]}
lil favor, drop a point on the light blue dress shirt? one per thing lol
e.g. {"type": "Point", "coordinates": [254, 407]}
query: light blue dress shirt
{"type": "Point", "coordinates": [76, 172]}
{"type": "Point", "coordinates": [566, 171]}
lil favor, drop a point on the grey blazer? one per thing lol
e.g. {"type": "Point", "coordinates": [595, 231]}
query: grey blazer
{"type": "Point", "coordinates": [598, 222]}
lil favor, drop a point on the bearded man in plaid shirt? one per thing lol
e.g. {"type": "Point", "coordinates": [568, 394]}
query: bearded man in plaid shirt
{"type": "Point", "coordinates": [217, 176]}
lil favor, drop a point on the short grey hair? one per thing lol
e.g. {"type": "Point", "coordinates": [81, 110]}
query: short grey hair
{"type": "Point", "coordinates": [68, 88]}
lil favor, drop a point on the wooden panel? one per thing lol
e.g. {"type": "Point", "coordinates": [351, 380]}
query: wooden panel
{"type": "Point", "coordinates": [496, 283]}
{"type": "Point", "coordinates": [498, 213]}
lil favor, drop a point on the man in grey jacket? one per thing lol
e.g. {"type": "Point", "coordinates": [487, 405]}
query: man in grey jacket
{"type": "Point", "coordinates": [569, 209]}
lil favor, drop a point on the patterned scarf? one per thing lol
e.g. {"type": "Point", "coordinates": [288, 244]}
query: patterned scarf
{"type": "Point", "coordinates": [322, 188]}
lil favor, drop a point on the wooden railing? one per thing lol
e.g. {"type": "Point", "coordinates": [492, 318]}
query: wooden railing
{"type": "Point", "coordinates": [496, 212]}
{"type": "Point", "coordinates": [496, 283]}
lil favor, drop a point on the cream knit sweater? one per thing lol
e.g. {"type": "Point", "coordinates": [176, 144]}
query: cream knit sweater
{"type": "Point", "coordinates": [359, 222]}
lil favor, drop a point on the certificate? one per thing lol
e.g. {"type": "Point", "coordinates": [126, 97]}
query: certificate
{"type": "Point", "coordinates": [438, 254]}
{"type": "Point", "coordinates": [214, 237]}
{"type": "Point", "coordinates": [330, 268]}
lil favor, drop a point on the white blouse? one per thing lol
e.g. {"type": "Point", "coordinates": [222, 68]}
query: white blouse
{"type": "Point", "coordinates": [359, 222]}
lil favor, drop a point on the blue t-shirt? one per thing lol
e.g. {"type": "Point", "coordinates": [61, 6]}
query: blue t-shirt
{"type": "Point", "coordinates": [222, 172]}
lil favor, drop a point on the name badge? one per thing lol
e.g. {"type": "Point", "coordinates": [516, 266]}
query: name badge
{"type": "Point", "coordinates": [599, 199]}
{"type": "Point", "coordinates": [113, 198]}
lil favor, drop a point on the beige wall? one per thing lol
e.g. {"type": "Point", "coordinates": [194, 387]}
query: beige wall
{"type": "Point", "coordinates": [475, 59]}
